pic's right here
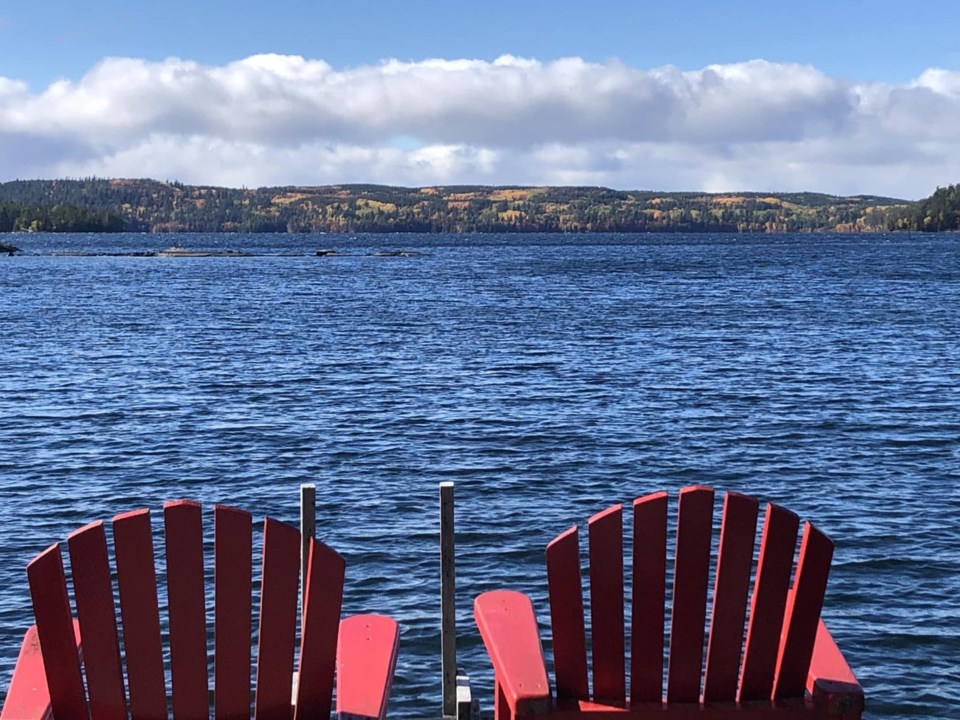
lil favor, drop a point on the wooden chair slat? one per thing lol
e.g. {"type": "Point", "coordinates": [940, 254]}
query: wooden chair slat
{"type": "Point", "coordinates": [233, 618]}
{"type": "Point", "coordinates": [606, 604]}
{"type": "Point", "coordinates": [93, 595]}
{"type": "Point", "coordinates": [318, 634]}
{"type": "Point", "coordinates": [183, 535]}
{"type": "Point", "coordinates": [139, 615]}
{"type": "Point", "coordinates": [734, 562]}
{"type": "Point", "coordinates": [508, 626]}
{"type": "Point", "coordinates": [649, 595]}
{"type": "Point", "coordinates": [777, 547]}
{"type": "Point", "coordinates": [278, 620]}
{"type": "Point", "coordinates": [58, 639]}
{"type": "Point", "coordinates": [802, 617]}
{"type": "Point", "coordinates": [566, 616]}
{"type": "Point", "coordinates": [366, 660]}
{"type": "Point", "coordinates": [691, 570]}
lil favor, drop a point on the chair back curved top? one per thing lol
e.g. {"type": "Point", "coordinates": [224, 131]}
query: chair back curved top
{"type": "Point", "coordinates": [94, 667]}
{"type": "Point", "coordinates": [780, 651]}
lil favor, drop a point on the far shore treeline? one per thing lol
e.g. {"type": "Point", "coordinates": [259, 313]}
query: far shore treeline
{"type": "Point", "coordinates": [103, 205]}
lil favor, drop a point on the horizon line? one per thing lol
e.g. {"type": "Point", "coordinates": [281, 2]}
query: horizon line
{"type": "Point", "coordinates": [173, 182]}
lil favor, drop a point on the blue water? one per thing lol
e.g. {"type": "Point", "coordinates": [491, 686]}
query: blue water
{"type": "Point", "coordinates": [547, 376]}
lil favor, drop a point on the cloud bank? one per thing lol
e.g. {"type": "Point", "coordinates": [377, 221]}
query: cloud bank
{"type": "Point", "coordinates": [275, 119]}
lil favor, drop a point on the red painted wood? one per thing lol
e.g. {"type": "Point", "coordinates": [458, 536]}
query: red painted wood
{"type": "Point", "coordinates": [828, 663]}
{"type": "Point", "coordinates": [830, 681]}
{"type": "Point", "coordinates": [606, 604]}
{"type": "Point", "coordinates": [691, 570]}
{"type": "Point", "coordinates": [508, 627]}
{"type": "Point", "coordinates": [278, 620]}
{"type": "Point", "coordinates": [767, 605]}
{"type": "Point", "coordinates": [318, 635]}
{"type": "Point", "coordinates": [735, 560]}
{"type": "Point", "coordinates": [183, 535]}
{"type": "Point", "coordinates": [649, 597]}
{"type": "Point", "coordinates": [566, 616]}
{"type": "Point", "coordinates": [233, 618]}
{"type": "Point", "coordinates": [803, 613]}
{"type": "Point", "coordinates": [57, 635]}
{"type": "Point", "coordinates": [501, 709]}
{"type": "Point", "coordinates": [689, 711]}
{"type": "Point", "coordinates": [93, 594]}
{"type": "Point", "coordinates": [137, 581]}
{"type": "Point", "coordinates": [27, 695]}
{"type": "Point", "coordinates": [366, 660]}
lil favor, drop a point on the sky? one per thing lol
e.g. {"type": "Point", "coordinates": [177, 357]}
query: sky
{"type": "Point", "coordinates": [846, 97]}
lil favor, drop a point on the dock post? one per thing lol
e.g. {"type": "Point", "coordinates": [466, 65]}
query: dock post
{"type": "Point", "coordinates": [448, 606]}
{"type": "Point", "coordinates": [308, 529]}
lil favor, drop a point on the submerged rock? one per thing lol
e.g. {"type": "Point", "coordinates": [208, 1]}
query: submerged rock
{"type": "Point", "coordinates": [185, 252]}
{"type": "Point", "coordinates": [399, 253]}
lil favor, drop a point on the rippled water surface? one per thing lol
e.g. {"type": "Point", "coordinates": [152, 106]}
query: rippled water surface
{"type": "Point", "coordinates": [548, 377]}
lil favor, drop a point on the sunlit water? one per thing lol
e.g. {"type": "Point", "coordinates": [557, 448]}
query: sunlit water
{"type": "Point", "coordinates": [547, 376]}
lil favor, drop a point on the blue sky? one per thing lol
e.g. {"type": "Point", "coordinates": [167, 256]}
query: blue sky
{"type": "Point", "coordinates": [850, 97]}
{"type": "Point", "coordinates": [859, 40]}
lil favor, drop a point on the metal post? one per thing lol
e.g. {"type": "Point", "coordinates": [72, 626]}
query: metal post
{"type": "Point", "coordinates": [308, 529]}
{"type": "Point", "coordinates": [448, 609]}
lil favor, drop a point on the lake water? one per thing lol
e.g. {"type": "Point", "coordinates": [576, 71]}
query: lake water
{"type": "Point", "coordinates": [547, 376]}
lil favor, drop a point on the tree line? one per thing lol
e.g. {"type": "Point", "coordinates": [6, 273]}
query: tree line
{"type": "Point", "coordinates": [31, 217]}
{"type": "Point", "coordinates": [98, 204]}
{"type": "Point", "coordinates": [939, 212]}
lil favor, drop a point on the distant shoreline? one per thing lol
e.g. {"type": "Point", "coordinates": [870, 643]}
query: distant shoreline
{"type": "Point", "coordinates": [123, 205]}
{"type": "Point", "coordinates": [133, 205]}
{"type": "Point", "coordinates": [24, 234]}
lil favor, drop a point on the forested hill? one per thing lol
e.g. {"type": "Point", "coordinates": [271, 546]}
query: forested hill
{"type": "Point", "coordinates": [940, 211]}
{"type": "Point", "coordinates": [152, 206]}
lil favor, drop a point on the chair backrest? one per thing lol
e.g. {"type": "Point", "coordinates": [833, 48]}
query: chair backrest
{"type": "Point", "coordinates": [141, 691]}
{"type": "Point", "coordinates": [770, 662]}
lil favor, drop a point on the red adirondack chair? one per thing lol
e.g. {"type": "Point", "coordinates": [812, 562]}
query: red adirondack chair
{"type": "Point", "coordinates": [48, 680]}
{"type": "Point", "coordinates": [791, 667]}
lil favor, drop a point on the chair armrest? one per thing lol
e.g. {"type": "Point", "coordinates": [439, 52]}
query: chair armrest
{"type": "Point", "coordinates": [830, 680]}
{"type": "Point", "coordinates": [508, 627]}
{"type": "Point", "coordinates": [28, 697]}
{"type": "Point", "coordinates": [366, 660]}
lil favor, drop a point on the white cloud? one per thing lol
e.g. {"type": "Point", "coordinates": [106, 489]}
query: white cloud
{"type": "Point", "coordinates": [276, 119]}
{"type": "Point", "coordinates": [174, 156]}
